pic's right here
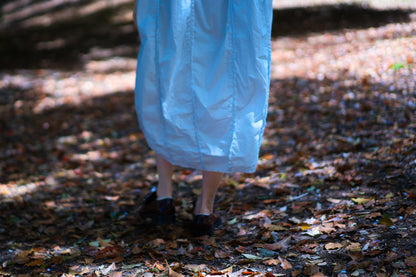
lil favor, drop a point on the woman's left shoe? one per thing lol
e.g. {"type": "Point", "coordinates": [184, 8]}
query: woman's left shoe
{"type": "Point", "coordinates": [205, 224]}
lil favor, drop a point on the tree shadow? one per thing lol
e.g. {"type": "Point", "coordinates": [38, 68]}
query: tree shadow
{"type": "Point", "coordinates": [70, 42]}
{"type": "Point", "coordinates": [326, 18]}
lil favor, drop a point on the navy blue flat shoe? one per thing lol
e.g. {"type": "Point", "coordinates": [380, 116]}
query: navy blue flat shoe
{"type": "Point", "coordinates": [157, 212]}
{"type": "Point", "coordinates": [205, 224]}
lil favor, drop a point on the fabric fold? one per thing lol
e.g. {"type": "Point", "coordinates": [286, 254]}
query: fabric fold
{"type": "Point", "coordinates": [203, 79]}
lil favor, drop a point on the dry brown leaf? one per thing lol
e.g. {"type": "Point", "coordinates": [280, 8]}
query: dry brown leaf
{"type": "Point", "coordinates": [261, 214]}
{"type": "Point", "coordinates": [284, 263]}
{"type": "Point", "coordinates": [22, 257]}
{"type": "Point", "coordinates": [373, 215]}
{"type": "Point", "coordinates": [354, 246]}
{"type": "Point", "coordinates": [136, 250]}
{"type": "Point", "coordinates": [310, 270]}
{"type": "Point", "coordinates": [221, 254]}
{"type": "Point", "coordinates": [35, 263]}
{"type": "Point", "coordinates": [326, 228]}
{"type": "Point", "coordinates": [227, 271]}
{"type": "Point", "coordinates": [386, 221]}
{"type": "Point", "coordinates": [195, 267]}
{"type": "Point", "coordinates": [272, 262]}
{"type": "Point", "coordinates": [174, 274]}
{"type": "Point", "coordinates": [103, 243]}
{"type": "Point", "coordinates": [159, 266]}
{"type": "Point", "coordinates": [391, 256]}
{"type": "Point", "coordinates": [332, 246]}
{"type": "Point", "coordinates": [157, 242]}
{"type": "Point", "coordinates": [274, 227]}
{"type": "Point", "coordinates": [411, 261]}
{"type": "Point", "coordinates": [56, 260]}
{"type": "Point", "coordinates": [361, 200]}
{"type": "Point", "coordinates": [333, 200]}
{"type": "Point", "coordinates": [282, 244]}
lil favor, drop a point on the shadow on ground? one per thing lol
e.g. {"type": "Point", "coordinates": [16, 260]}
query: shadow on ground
{"type": "Point", "coordinates": [69, 42]}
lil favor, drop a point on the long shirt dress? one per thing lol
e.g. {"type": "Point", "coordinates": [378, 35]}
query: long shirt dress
{"type": "Point", "coordinates": [202, 82]}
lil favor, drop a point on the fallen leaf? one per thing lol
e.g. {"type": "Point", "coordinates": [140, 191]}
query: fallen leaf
{"type": "Point", "coordinates": [107, 270]}
{"type": "Point", "coordinates": [332, 246]}
{"type": "Point", "coordinates": [226, 271]}
{"type": "Point", "coordinates": [261, 214]}
{"type": "Point", "coordinates": [35, 263]}
{"type": "Point", "coordinates": [195, 267]}
{"type": "Point", "coordinates": [221, 254]}
{"type": "Point", "coordinates": [272, 262]}
{"type": "Point", "coordinates": [410, 261]}
{"type": "Point", "coordinates": [157, 242]}
{"type": "Point", "coordinates": [386, 221]}
{"type": "Point", "coordinates": [333, 200]}
{"type": "Point", "coordinates": [326, 228]}
{"type": "Point", "coordinates": [313, 232]}
{"type": "Point", "coordinates": [131, 266]}
{"type": "Point", "coordinates": [391, 256]}
{"type": "Point", "coordinates": [303, 226]}
{"type": "Point", "coordinates": [22, 257]}
{"type": "Point", "coordinates": [104, 242]}
{"type": "Point", "coordinates": [274, 227]}
{"type": "Point", "coordinates": [174, 274]}
{"type": "Point", "coordinates": [56, 260]}
{"type": "Point", "coordinates": [251, 257]}
{"type": "Point", "coordinates": [284, 263]}
{"type": "Point", "coordinates": [361, 200]}
{"type": "Point", "coordinates": [110, 251]}
{"type": "Point", "coordinates": [354, 246]}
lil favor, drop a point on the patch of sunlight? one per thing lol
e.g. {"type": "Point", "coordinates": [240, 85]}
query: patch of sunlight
{"type": "Point", "coordinates": [53, 44]}
{"type": "Point", "coordinates": [66, 87]}
{"type": "Point", "coordinates": [12, 191]}
{"type": "Point", "coordinates": [77, 87]}
{"type": "Point", "coordinates": [41, 14]}
{"type": "Point", "coordinates": [111, 64]}
{"type": "Point", "coordinates": [18, 10]}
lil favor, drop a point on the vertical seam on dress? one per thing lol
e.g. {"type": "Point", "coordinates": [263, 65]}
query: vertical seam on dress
{"type": "Point", "coordinates": [194, 114]}
{"type": "Point", "coordinates": [233, 83]}
{"type": "Point", "coordinates": [159, 86]}
{"type": "Point", "coordinates": [269, 50]}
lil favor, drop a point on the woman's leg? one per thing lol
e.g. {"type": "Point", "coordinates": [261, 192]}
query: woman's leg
{"type": "Point", "coordinates": [210, 183]}
{"type": "Point", "coordinates": [165, 171]}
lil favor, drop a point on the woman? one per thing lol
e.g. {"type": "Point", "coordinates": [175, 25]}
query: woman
{"type": "Point", "coordinates": [201, 93]}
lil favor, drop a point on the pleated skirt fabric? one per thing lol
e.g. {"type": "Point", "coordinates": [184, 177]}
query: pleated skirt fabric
{"type": "Point", "coordinates": [202, 81]}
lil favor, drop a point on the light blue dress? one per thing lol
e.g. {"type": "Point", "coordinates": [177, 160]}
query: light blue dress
{"type": "Point", "coordinates": [203, 79]}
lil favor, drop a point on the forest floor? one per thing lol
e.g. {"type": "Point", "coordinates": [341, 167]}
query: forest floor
{"type": "Point", "coordinates": [334, 193]}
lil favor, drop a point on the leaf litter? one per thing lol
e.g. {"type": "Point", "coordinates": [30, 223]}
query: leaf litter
{"type": "Point", "coordinates": [334, 194]}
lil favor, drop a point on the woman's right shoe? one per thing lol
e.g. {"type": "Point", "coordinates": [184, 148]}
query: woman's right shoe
{"type": "Point", "coordinates": [157, 212]}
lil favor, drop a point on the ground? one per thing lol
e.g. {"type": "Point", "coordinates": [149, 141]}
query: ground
{"type": "Point", "coordinates": [334, 193]}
